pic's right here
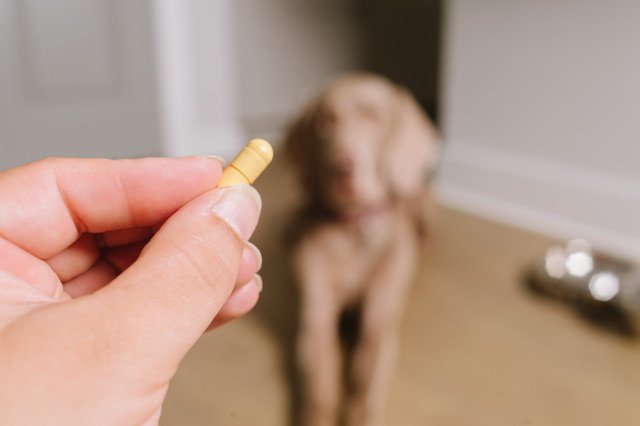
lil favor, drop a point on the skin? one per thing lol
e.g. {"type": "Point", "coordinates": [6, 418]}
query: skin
{"type": "Point", "coordinates": [109, 273]}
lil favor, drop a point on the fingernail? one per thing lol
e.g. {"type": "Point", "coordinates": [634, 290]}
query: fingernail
{"type": "Point", "coordinates": [256, 252]}
{"type": "Point", "coordinates": [258, 279]}
{"type": "Point", "coordinates": [239, 206]}
{"type": "Point", "coordinates": [218, 159]}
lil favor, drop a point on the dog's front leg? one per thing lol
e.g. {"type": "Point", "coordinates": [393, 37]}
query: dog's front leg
{"type": "Point", "coordinates": [318, 344]}
{"type": "Point", "coordinates": [375, 353]}
{"type": "Point", "coordinates": [319, 363]}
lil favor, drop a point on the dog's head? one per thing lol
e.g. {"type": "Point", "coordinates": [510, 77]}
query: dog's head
{"type": "Point", "coordinates": [360, 143]}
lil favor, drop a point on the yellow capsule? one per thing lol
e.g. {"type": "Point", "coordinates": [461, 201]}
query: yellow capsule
{"type": "Point", "coordinates": [248, 164]}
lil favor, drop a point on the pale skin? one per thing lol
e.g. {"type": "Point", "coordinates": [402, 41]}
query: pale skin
{"type": "Point", "coordinates": [110, 271]}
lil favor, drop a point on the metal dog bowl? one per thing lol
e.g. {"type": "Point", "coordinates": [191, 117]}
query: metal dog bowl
{"type": "Point", "coordinates": [605, 289]}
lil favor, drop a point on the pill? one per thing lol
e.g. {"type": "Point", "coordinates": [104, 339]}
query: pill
{"type": "Point", "coordinates": [248, 164]}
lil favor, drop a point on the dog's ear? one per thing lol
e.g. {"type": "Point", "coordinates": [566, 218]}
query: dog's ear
{"type": "Point", "coordinates": [411, 148]}
{"type": "Point", "coordinates": [301, 145]}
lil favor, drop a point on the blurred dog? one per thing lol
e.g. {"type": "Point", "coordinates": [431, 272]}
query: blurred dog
{"type": "Point", "coordinates": [363, 149]}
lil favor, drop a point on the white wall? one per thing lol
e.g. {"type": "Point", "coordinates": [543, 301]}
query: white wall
{"type": "Point", "coordinates": [76, 79]}
{"type": "Point", "coordinates": [117, 78]}
{"type": "Point", "coordinates": [285, 50]}
{"type": "Point", "coordinates": [197, 83]}
{"type": "Point", "coordinates": [540, 115]}
{"type": "Point", "coordinates": [234, 69]}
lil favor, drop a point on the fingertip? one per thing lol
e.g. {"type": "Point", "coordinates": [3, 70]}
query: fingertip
{"type": "Point", "coordinates": [241, 300]}
{"type": "Point", "coordinates": [209, 167]}
{"type": "Point", "coordinates": [248, 267]}
{"type": "Point", "coordinates": [239, 206]}
{"type": "Point", "coordinates": [257, 255]}
{"type": "Point", "coordinates": [218, 159]}
{"type": "Point", "coordinates": [259, 283]}
{"type": "Point", "coordinates": [239, 303]}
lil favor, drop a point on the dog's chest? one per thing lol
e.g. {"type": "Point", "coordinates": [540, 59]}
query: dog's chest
{"type": "Point", "coordinates": [357, 250]}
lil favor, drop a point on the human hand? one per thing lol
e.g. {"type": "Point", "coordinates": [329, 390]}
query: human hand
{"type": "Point", "coordinates": [109, 273]}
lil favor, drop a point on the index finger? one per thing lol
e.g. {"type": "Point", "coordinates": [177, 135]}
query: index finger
{"type": "Point", "coordinates": [46, 205]}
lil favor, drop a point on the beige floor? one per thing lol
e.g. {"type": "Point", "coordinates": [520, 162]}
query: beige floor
{"type": "Point", "coordinates": [477, 349]}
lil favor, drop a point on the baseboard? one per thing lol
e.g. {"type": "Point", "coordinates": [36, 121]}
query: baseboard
{"type": "Point", "coordinates": [542, 196]}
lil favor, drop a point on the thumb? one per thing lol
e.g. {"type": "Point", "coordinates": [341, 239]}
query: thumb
{"type": "Point", "coordinates": [164, 301]}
